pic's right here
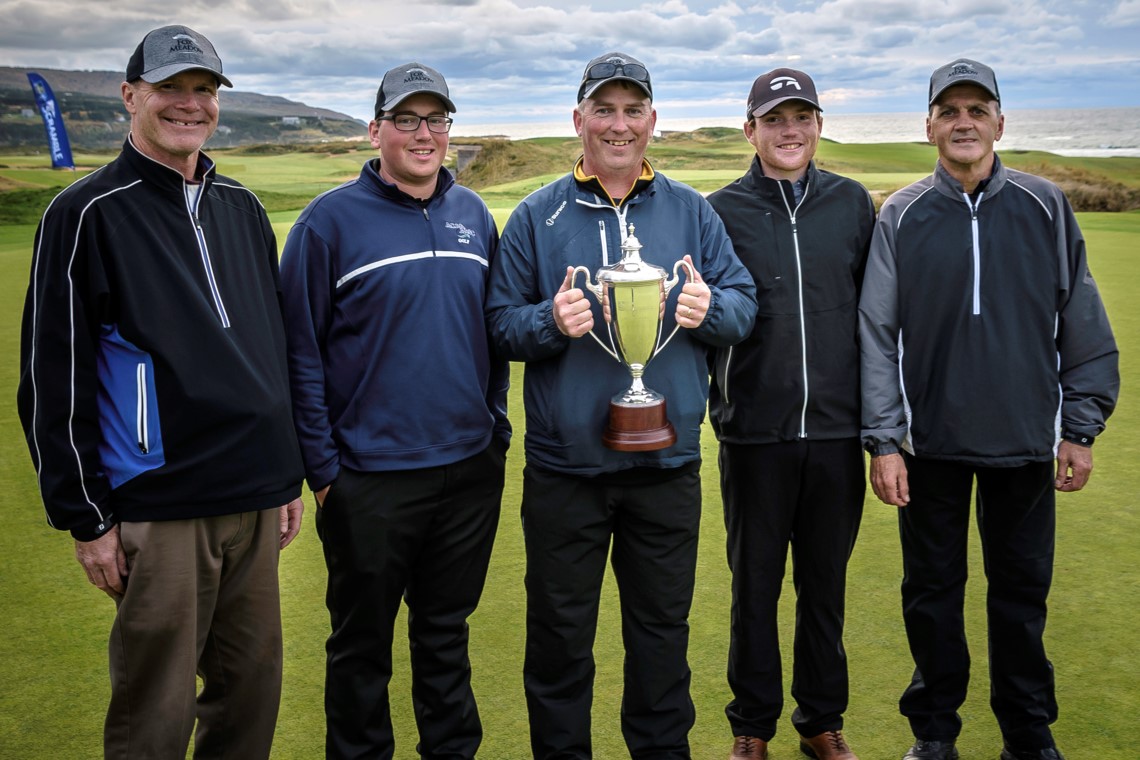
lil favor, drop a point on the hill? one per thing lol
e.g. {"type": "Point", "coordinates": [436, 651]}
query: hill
{"type": "Point", "coordinates": [95, 120]}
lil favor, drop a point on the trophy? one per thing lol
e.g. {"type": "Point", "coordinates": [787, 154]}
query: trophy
{"type": "Point", "coordinates": [633, 292]}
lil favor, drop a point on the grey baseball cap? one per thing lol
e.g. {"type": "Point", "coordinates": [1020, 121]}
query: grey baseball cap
{"type": "Point", "coordinates": [170, 50]}
{"type": "Point", "coordinates": [410, 79]}
{"type": "Point", "coordinates": [614, 67]}
{"type": "Point", "coordinates": [963, 71]}
{"type": "Point", "coordinates": [778, 86]}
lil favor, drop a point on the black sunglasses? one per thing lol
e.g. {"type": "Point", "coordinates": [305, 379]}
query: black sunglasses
{"type": "Point", "coordinates": [606, 69]}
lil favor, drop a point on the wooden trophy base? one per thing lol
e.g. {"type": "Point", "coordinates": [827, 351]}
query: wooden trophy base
{"type": "Point", "coordinates": [639, 427]}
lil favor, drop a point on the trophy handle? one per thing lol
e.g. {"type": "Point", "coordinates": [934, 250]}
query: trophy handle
{"type": "Point", "coordinates": [676, 278]}
{"type": "Point", "coordinates": [596, 289]}
{"type": "Point", "coordinates": [669, 285]}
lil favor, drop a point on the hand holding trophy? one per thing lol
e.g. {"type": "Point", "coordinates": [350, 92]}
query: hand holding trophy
{"type": "Point", "coordinates": [632, 293]}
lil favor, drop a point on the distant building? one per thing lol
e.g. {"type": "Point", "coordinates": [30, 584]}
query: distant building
{"type": "Point", "coordinates": [27, 113]}
{"type": "Point", "coordinates": [291, 121]}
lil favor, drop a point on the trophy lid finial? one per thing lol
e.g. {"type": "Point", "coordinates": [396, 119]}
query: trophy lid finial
{"type": "Point", "coordinates": [631, 247]}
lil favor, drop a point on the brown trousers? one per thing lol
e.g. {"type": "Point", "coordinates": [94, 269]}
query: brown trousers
{"type": "Point", "coordinates": [201, 600]}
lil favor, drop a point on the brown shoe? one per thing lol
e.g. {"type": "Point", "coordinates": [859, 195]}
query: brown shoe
{"type": "Point", "coordinates": [830, 745]}
{"type": "Point", "coordinates": [749, 748]}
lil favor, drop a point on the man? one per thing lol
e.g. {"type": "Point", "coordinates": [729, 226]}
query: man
{"type": "Point", "coordinates": [401, 413]}
{"type": "Point", "coordinates": [982, 330]}
{"type": "Point", "coordinates": [579, 495]}
{"type": "Point", "coordinates": [155, 399]}
{"type": "Point", "coordinates": [785, 406]}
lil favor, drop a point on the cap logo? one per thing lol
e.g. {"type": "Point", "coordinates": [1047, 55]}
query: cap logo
{"type": "Point", "coordinates": [963, 70]}
{"type": "Point", "coordinates": [417, 75]}
{"type": "Point", "coordinates": [780, 82]}
{"type": "Point", "coordinates": [184, 43]}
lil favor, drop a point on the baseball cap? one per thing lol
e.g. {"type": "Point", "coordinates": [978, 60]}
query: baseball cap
{"type": "Point", "coordinates": [777, 86]}
{"type": "Point", "coordinates": [963, 71]}
{"type": "Point", "coordinates": [409, 79]}
{"type": "Point", "coordinates": [170, 50]}
{"type": "Point", "coordinates": [614, 67]}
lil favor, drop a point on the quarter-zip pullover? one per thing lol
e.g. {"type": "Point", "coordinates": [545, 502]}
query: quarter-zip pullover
{"type": "Point", "coordinates": [153, 383]}
{"type": "Point", "coordinates": [384, 298]}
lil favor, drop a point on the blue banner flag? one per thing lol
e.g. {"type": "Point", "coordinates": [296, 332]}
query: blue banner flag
{"type": "Point", "coordinates": [53, 123]}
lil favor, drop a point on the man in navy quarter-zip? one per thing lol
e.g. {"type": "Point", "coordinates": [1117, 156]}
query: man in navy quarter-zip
{"type": "Point", "coordinates": [580, 497]}
{"type": "Point", "coordinates": [401, 413]}
{"type": "Point", "coordinates": [785, 406]}
{"type": "Point", "coordinates": [987, 354]}
{"type": "Point", "coordinates": [155, 398]}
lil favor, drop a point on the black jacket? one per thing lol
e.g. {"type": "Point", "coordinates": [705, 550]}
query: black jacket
{"type": "Point", "coordinates": [981, 325]}
{"type": "Point", "coordinates": [153, 383]}
{"type": "Point", "coordinates": [797, 375]}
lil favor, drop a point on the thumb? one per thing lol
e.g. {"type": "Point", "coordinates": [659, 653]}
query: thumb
{"type": "Point", "coordinates": [567, 281]}
{"type": "Point", "coordinates": [696, 272]}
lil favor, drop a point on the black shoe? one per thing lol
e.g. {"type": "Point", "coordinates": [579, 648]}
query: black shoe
{"type": "Point", "coordinates": [924, 750]}
{"type": "Point", "coordinates": [1048, 753]}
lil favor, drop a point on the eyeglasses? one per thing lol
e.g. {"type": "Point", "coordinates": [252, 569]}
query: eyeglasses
{"type": "Point", "coordinates": [607, 69]}
{"type": "Point", "coordinates": [410, 122]}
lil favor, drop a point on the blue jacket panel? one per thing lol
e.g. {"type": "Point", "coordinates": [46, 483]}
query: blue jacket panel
{"type": "Point", "coordinates": [568, 383]}
{"type": "Point", "coordinates": [388, 351]}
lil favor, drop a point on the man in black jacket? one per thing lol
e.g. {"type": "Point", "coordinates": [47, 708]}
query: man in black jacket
{"type": "Point", "coordinates": [987, 354]}
{"type": "Point", "coordinates": [785, 407]}
{"type": "Point", "coordinates": [155, 399]}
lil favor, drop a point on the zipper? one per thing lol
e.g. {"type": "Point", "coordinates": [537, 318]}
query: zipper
{"type": "Point", "coordinates": [800, 295]}
{"type": "Point", "coordinates": [727, 371]}
{"type": "Point", "coordinates": [977, 252]}
{"type": "Point", "coordinates": [207, 265]}
{"type": "Point", "coordinates": [141, 426]}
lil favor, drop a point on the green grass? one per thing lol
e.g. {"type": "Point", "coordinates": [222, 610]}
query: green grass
{"type": "Point", "coordinates": [53, 653]}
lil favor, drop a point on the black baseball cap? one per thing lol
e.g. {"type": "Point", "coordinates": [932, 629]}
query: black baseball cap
{"type": "Point", "coordinates": [409, 79]}
{"type": "Point", "coordinates": [614, 67]}
{"type": "Point", "coordinates": [170, 50]}
{"type": "Point", "coordinates": [778, 86]}
{"type": "Point", "coordinates": [963, 71]}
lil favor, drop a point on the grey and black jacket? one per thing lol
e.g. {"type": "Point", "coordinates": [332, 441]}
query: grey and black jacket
{"type": "Point", "coordinates": [797, 375]}
{"type": "Point", "coordinates": [153, 383]}
{"type": "Point", "coordinates": [983, 334]}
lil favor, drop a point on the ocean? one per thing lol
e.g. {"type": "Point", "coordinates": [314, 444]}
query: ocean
{"type": "Point", "coordinates": [1066, 132]}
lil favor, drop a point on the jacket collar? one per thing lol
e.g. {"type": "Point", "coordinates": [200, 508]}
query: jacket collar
{"type": "Point", "coordinates": [776, 188]}
{"type": "Point", "coordinates": [591, 183]}
{"type": "Point", "coordinates": [952, 188]}
{"type": "Point", "coordinates": [370, 177]}
{"type": "Point", "coordinates": [161, 175]}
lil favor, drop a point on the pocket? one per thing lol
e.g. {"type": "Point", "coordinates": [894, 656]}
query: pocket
{"type": "Point", "coordinates": [141, 415]}
{"type": "Point", "coordinates": [127, 399]}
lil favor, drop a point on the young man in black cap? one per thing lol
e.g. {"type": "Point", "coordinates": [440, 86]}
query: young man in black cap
{"type": "Point", "coordinates": [401, 413]}
{"type": "Point", "coordinates": [987, 354]}
{"type": "Point", "coordinates": [785, 406]}
{"type": "Point", "coordinates": [155, 398]}
{"type": "Point", "coordinates": [580, 497]}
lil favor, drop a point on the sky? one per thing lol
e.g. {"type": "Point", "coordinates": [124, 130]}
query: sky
{"type": "Point", "coordinates": [521, 60]}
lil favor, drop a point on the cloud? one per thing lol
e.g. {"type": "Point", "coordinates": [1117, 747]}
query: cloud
{"type": "Point", "coordinates": [521, 59]}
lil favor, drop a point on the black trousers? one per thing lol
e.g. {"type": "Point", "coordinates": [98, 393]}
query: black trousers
{"type": "Point", "coordinates": [568, 523]}
{"type": "Point", "coordinates": [807, 495]}
{"type": "Point", "coordinates": [1016, 513]}
{"type": "Point", "coordinates": [425, 536]}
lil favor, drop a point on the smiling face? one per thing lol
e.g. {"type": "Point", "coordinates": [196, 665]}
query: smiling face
{"type": "Point", "coordinates": [171, 120]}
{"type": "Point", "coordinates": [965, 123]}
{"type": "Point", "coordinates": [411, 160]}
{"type": "Point", "coordinates": [785, 138]}
{"type": "Point", "coordinates": [615, 124]}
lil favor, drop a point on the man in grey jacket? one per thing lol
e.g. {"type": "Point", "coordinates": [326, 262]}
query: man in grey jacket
{"type": "Point", "coordinates": [978, 290]}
